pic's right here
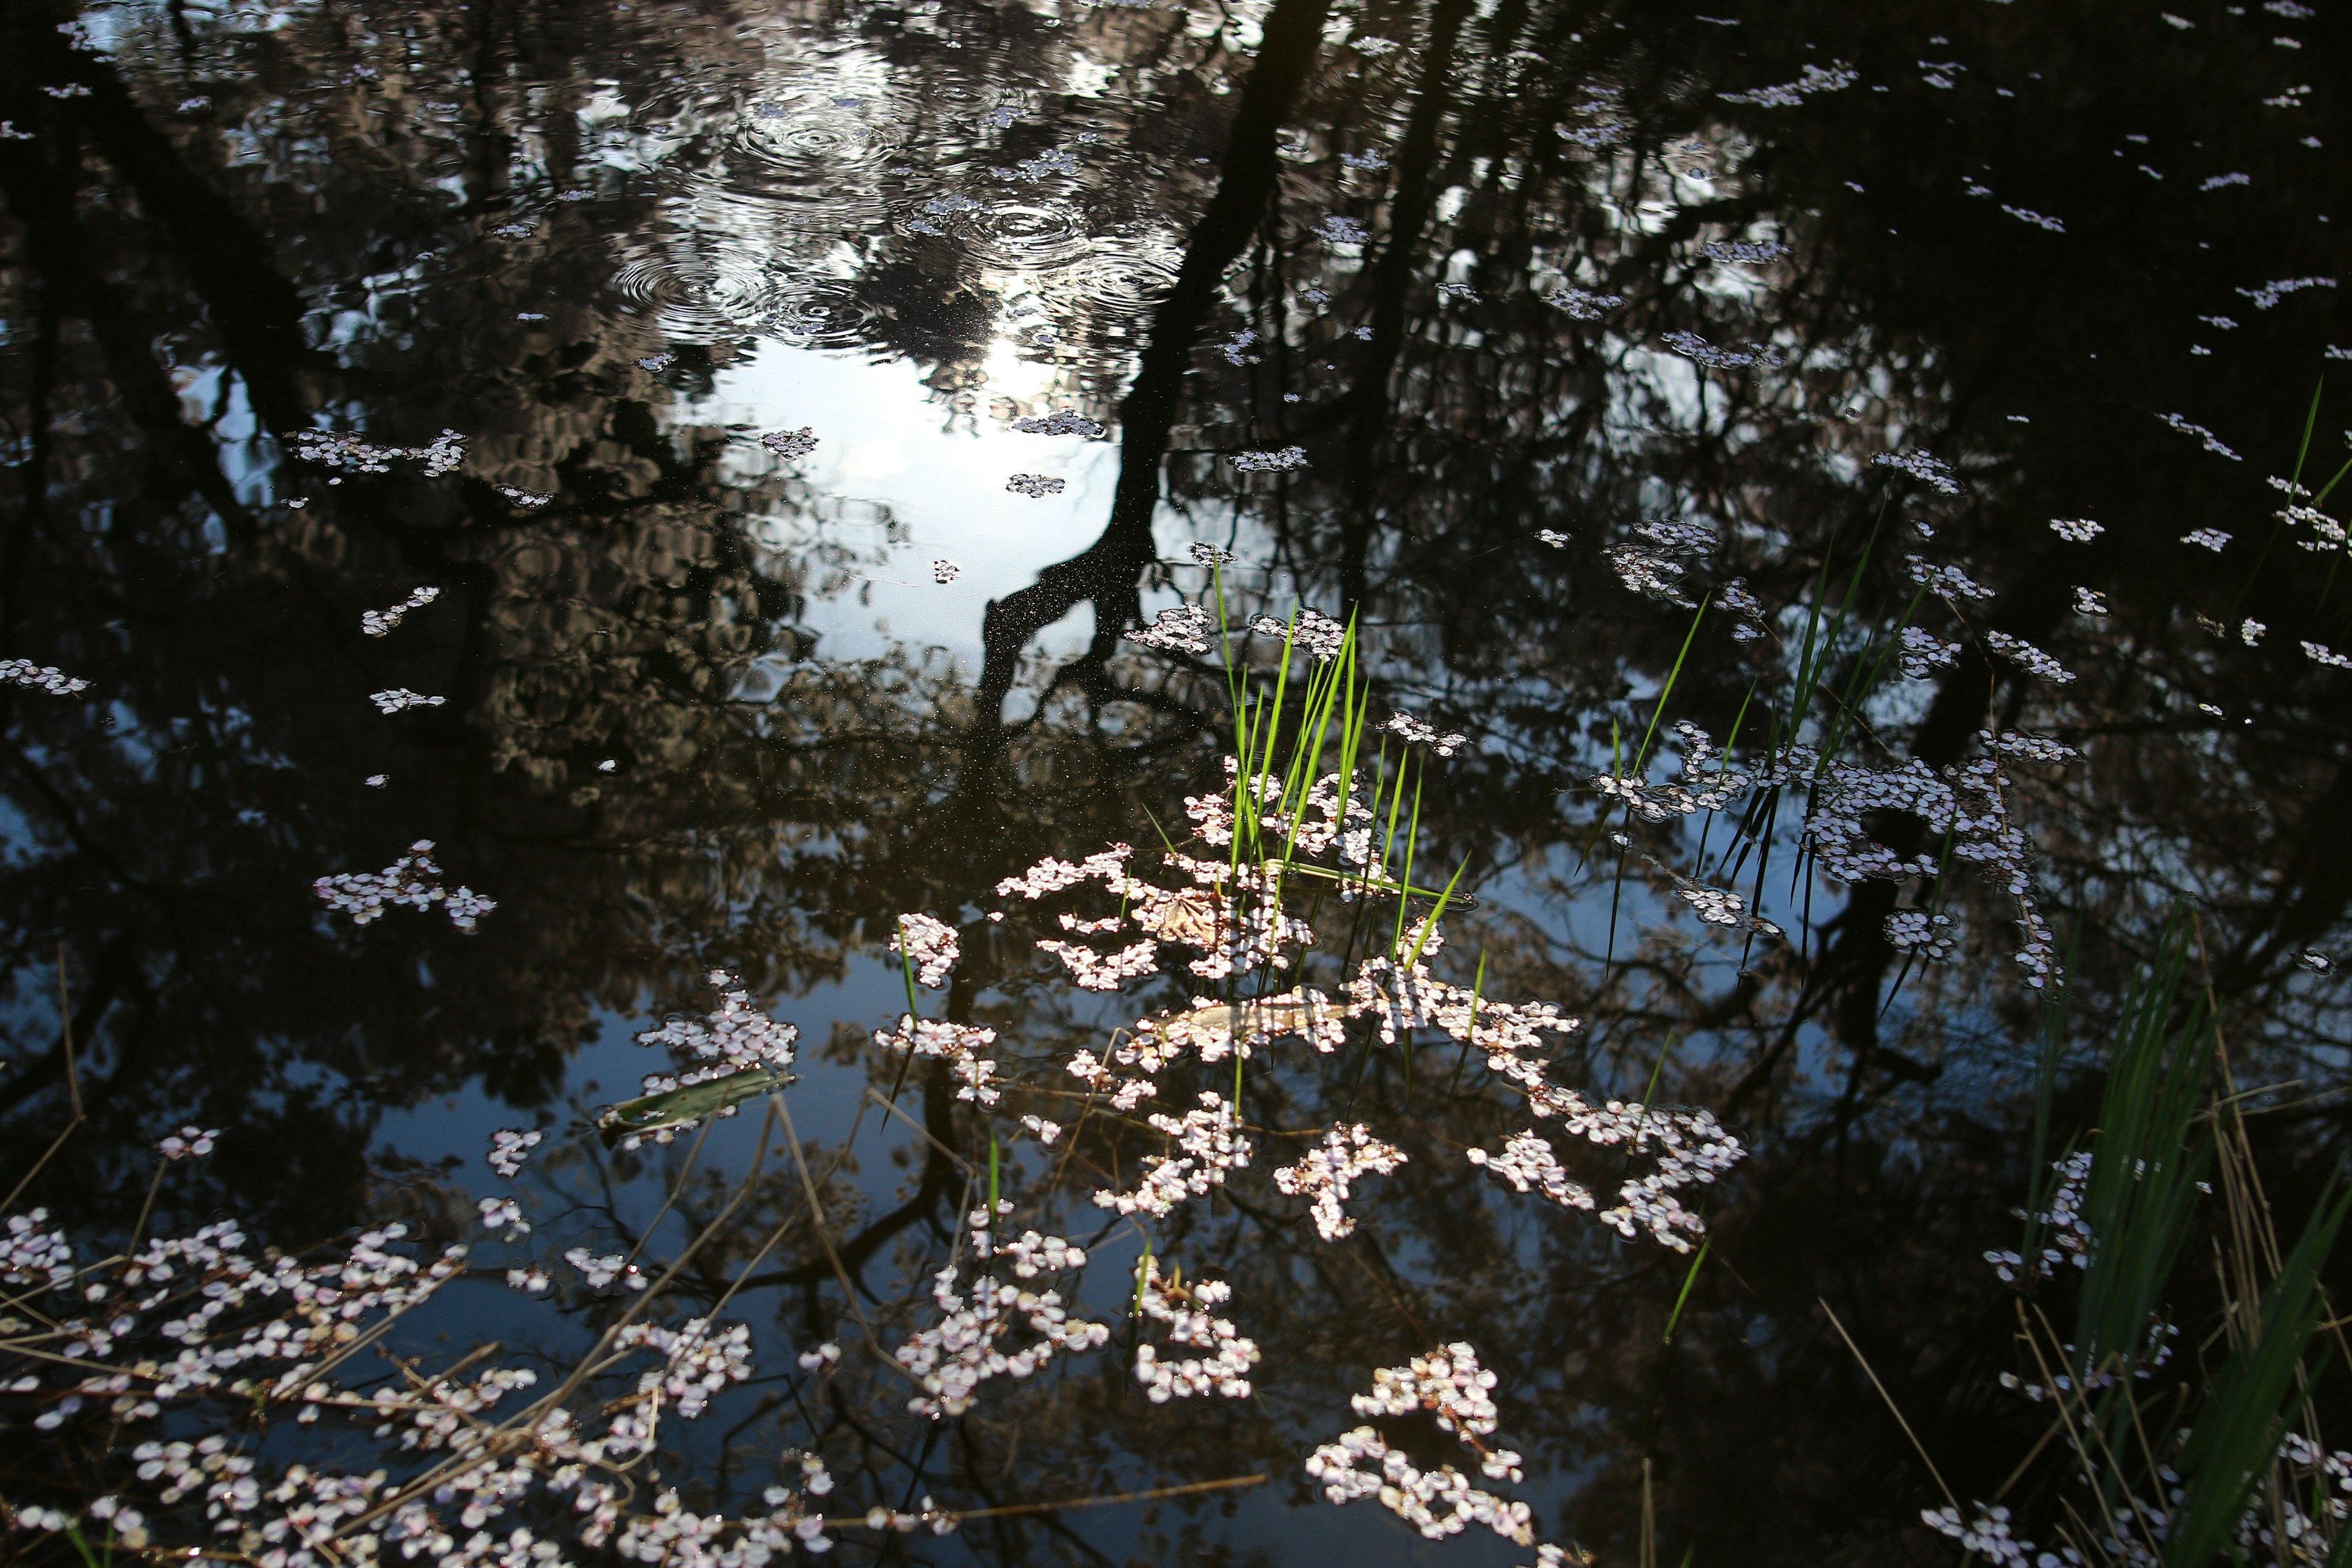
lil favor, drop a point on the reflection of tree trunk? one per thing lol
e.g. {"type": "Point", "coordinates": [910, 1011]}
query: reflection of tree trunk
{"type": "Point", "coordinates": [1398, 269]}
{"type": "Point", "coordinates": [231, 266]}
{"type": "Point", "coordinates": [2319, 886]}
{"type": "Point", "coordinates": [73, 286]}
{"type": "Point", "coordinates": [1108, 571]}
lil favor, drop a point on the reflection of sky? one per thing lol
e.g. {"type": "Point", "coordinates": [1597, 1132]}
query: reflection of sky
{"type": "Point", "coordinates": [885, 441]}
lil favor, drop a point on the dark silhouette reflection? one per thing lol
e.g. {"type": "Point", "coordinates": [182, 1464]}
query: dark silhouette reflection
{"type": "Point", "coordinates": [1464, 257]}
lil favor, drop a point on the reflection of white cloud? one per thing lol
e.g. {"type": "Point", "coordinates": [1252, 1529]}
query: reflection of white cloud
{"type": "Point", "coordinates": [885, 446]}
{"type": "Point", "coordinates": [870, 460]}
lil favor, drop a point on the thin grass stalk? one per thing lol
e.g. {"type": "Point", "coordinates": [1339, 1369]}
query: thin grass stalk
{"type": "Point", "coordinates": [1666, 692]}
{"type": "Point", "coordinates": [1412, 841]}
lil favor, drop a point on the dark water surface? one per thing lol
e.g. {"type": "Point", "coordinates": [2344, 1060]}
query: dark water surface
{"type": "Point", "coordinates": [1787, 309]}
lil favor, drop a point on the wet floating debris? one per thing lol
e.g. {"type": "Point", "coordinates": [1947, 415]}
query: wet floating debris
{"type": "Point", "coordinates": [2039, 220]}
{"type": "Point", "coordinates": [512, 230]}
{"type": "Point", "coordinates": [510, 1147]}
{"type": "Point", "coordinates": [2320, 653]}
{"type": "Point", "coordinates": [413, 880]}
{"type": "Point", "coordinates": [380, 623]}
{"type": "Point", "coordinates": [1183, 628]}
{"type": "Point", "coordinates": [1834, 78]}
{"type": "Point", "coordinates": [1367, 160]}
{"type": "Point", "coordinates": [1326, 1174]}
{"type": "Point", "coordinates": [931, 947]}
{"type": "Point", "coordinates": [1417, 731]}
{"type": "Point", "coordinates": [1062, 422]}
{"type": "Point", "coordinates": [528, 500]}
{"type": "Point", "coordinates": [190, 1142]}
{"type": "Point", "coordinates": [1750, 253]}
{"type": "Point", "coordinates": [2318, 962]}
{"type": "Point", "coordinates": [1737, 598]}
{"type": "Point", "coordinates": [790, 444]}
{"type": "Point", "coordinates": [1552, 537]}
{"type": "Point", "coordinates": [1034, 486]}
{"type": "Point", "coordinates": [657, 363]}
{"type": "Point", "coordinates": [1679, 536]}
{"type": "Point", "coordinates": [376, 781]}
{"type": "Point", "coordinates": [2269, 294]}
{"type": "Point", "coordinates": [1315, 632]}
{"type": "Point", "coordinates": [1342, 230]}
{"type": "Point", "coordinates": [2211, 539]}
{"type": "Point", "coordinates": [1055, 161]}
{"type": "Point", "coordinates": [1584, 303]}
{"type": "Point", "coordinates": [340, 449]}
{"type": "Point", "coordinates": [1280, 461]}
{"type": "Point", "coordinates": [1653, 575]}
{"type": "Point", "coordinates": [1917, 932]}
{"type": "Point", "coordinates": [9, 133]}
{"type": "Point", "coordinates": [1947, 583]}
{"type": "Point", "coordinates": [2076, 530]}
{"type": "Point", "coordinates": [1690, 345]}
{"type": "Point", "coordinates": [2029, 657]}
{"type": "Point", "coordinates": [2089, 601]}
{"type": "Point", "coordinates": [1921, 466]}
{"type": "Point", "coordinates": [1924, 653]}
{"type": "Point", "coordinates": [46, 678]}
{"type": "Point", "coordinates": [400, 696]}
{"type": "Point", "coordinates": [2212, 442]}
{"type": "Point", "coordinates": [945, 571]}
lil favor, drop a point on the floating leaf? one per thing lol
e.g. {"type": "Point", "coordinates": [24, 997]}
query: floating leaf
{"type": "Point", "coordinates": [677, 1106]}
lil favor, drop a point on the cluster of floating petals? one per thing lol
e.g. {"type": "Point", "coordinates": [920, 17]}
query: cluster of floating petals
{"type": "Point", "coordinates": [46, 678]}
{"type": "Point", "coordinates": [1061, 422]}
{"type": "Point", "coordinates": [1313, 632]}
{"type": "Point", "coordinates": [1211, 1144]}
{"type": "Point", "coordinates": [790, 444]}
{"type": "Point", "coordinates": [356, 454]}
{"type": "Point", "coordinates": [1418, 732]}
{"type": "Point", "coordinates": [931, 945]}
{"type": "Point", "coordinates": [1092, 970]}
{"type": "Point", "coordinates": [1281, 460]}
{"type": "Point", "coordinates": [1583, 304]}
{"type": "Point", "coordinates": [413, 881]}
{"type": "Point", "coordinates": [380, 623]}
{"type": "Point", "coordinates": [1326, 1174]}
{"type": "Point", "coordinates": [1930, 471]}
{"type": "Point", "coordinates": [1181, 628]}
{"type": "Point", "coordinates": [399, 699]}
{"type": "Point", "coordinates": [1456, 1392]}
{"type": "Point", "coordinates": [963, 1047]}
{"type": "Point", "coordinates": [966, 1347]}
{"type": "Point", "coordinates": [1222, 1371]}
{"type": "Point", "coordinates": [510, 1147]}
{"type": "Point", "coordinates": [1924, 653]}
{"type": "Point", "coordinates": [1034, 486]}
{"type": "Point", "coordinates": [1948, 583]}
{"type": "Point", "coordinates": [2031, 659]}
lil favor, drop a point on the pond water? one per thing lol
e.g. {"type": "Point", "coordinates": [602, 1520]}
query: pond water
{"type": "Point", "coordinates": [1818, 517]}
